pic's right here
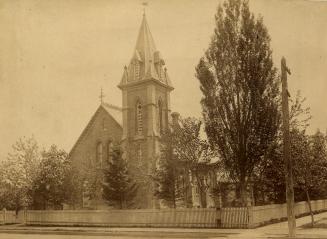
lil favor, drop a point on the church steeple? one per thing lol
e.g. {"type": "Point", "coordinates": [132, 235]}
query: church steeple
{"type": "Point", "coordinates": [146, 62]}
{"type": "Point", "coordinates": [146, 91]}
{"type": "Point", "coordinates": [145, 46]}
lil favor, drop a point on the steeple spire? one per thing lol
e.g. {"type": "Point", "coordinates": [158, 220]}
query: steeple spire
{"type": "Point", "coordinates": [145, 44]}
{"type": "Point", "coordinates": [146, 62]}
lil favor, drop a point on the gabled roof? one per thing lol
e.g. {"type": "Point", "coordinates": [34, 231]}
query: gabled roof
{"type": "Point", "coordinates": [114, 111]}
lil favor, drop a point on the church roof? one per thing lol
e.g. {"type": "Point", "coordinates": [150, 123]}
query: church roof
{"type": "Point", "coordinates": [114, 111]}
{"type": "Point", "coordinates": [146, 62]}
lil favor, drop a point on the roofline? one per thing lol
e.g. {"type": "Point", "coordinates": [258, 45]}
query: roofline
{"type": "Point", "coordinates": [89, 125]}
{"type": "Point", "coordinates": [113, 107]}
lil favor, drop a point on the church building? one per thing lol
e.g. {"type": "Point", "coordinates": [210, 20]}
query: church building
{"type": "Point", "coordinates": [136, 128]}
{"type": "Point", "coordinates": [145, 112]}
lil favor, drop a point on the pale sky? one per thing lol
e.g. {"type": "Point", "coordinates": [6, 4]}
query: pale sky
{"type": "Point", "coordinates": [56, 55]}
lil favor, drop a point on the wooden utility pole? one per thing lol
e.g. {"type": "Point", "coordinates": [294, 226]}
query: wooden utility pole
{"type": "Point", "coordinates": [287, 152]}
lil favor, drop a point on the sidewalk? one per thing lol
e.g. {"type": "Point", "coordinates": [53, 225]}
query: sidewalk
{"type": "Point", "coordinates": [280, 230]}
{"type": "Point", "coordinates": [277, 230]}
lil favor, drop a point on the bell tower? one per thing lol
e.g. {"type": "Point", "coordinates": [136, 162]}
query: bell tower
{"type": "Point", "coordinates": [146, 91]}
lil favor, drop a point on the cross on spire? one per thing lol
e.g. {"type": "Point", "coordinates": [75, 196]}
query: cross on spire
{"type": "Point", "coordinates": [144, 5]}
{"type": "Point", "coordinates": [101, 96]}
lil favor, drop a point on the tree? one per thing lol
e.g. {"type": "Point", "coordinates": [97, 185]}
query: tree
{"type": "Point", "coordinates": [90, 183]}
{"type": "Point", "coordinates": [269, 175]}
{"type": "Point", "coordinates": [183, 153]}
{"type": "Point", "coordinates": [165, 174]}
{"type": "Point", "coordinates": [309, 155]}
{"type": "Point", "coordinates": [18, 172]}
{"type": "Point", "coordinates": [240, 91]}
{"type": "Point", "coordinates": [119, 189]}
{"type": "Point", "coordinates": [50, 188]}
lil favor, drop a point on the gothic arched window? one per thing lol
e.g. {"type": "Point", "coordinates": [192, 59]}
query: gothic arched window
{"type": "Point", "coordinates": [139, 153]}
{"type": "Point", "coordinates": [109, 150]}
{"type": "Point", "coordinates": [136, 69]}
{"type": "Point", "coordinates": [139, 118]}
{"type": "Point", "coordinates": [99, 153]}
{"type": "Point", "coordinates": [160, 115]}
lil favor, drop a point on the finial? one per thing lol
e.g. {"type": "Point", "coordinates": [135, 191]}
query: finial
{"type": "Point", "coordinates": [101, 96]}
{"type": "Point", "coordinates": [144, 5]}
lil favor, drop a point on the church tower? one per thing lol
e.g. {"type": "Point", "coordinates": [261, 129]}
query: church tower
{"type": "Point", "coordinates": [146, 91]}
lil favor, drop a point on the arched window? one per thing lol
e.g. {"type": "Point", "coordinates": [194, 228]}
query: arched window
{"type": "Point", "coordinates": [99, 153]}
{"type": "Point", "coordinates": [136, 69]}
{"type": "Point", "coordinates": [109, 150]}
{"type": "Point", "coordinates": [160, 115]}
{"type": "Point", "coordinates": [139, 119]}
{"type": "Point", "coordinates": [139, 153]}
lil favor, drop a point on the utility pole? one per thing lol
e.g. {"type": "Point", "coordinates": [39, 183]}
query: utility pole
{"type": "Point", "coordinates": [287, 152]}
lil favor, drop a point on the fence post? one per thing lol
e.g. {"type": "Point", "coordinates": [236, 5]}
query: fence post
{"type": "Point", "coordinates": [4, 216]}
{"type": "Point", "coordinates": [250, 222]}
{"type": "Point", "coordinates": [25, 216]}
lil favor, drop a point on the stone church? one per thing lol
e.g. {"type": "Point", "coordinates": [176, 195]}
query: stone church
{"type": "Point", "coordinates": [145, 111]}
{"type": "Point", "coordinates": [136, 127]}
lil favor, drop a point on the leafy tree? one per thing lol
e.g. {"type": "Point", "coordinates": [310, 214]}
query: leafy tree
{"type": "Point", "coordinates": [240, 91]}
{"type": "Point", "coordinates": [269, 175]}
{"type": "Point", "coordinates": [183, 152]}
{"type": "Point", "coordinates": [18, 172]}
{"type": "Point", "coordinates": [119, 189]}
{"type": "Point", "coordinates": [309, 155]}
{"type": "Point", "coordinates": [91, 181]}
{"type": "Point", "coordinates": [50, 188]}
{"type": "Point", "coordinates": [165, 174]}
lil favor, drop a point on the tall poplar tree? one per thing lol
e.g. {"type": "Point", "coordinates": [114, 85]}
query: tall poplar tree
{"type": "Point", "coordinates": [240, 91]}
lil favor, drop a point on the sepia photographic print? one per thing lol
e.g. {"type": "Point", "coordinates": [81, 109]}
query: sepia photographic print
{"type": "Point", "coordinates": [163, 119]}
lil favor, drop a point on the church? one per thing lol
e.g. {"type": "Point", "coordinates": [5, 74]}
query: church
{"type": "Point", "coordinates": [136, 127]}
{"type": "Point", "coordinates": [145, 112]}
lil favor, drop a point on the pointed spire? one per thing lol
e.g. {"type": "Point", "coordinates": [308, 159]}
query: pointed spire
{"type": "Point", "coordinates": [146, 62]}
{"type": "Point", "coordinates": [137, 56]}
{"type": "Point", "coordinates": [145, 44]}
{"type": "Point", "coordinates": [124, 79]}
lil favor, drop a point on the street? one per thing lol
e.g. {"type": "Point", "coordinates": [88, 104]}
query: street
{"type": "Point", "coordinates": [120, 236]}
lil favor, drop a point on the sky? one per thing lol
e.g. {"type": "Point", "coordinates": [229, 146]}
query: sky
{"type": "Point", "coordinates": [56, 55]}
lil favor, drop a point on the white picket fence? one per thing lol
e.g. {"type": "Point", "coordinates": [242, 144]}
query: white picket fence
{"type": "Point", "coordinates": [263, 214]}
{"type": "Point", "coordinates": [202, 217]}
{"type": "Point", "coordinates": [249, 217]}
{"type": "Point", "coordinates": [243, 217]}
{"type": "Point", "coordinates": [234, 217]}
{"type": "Point", "coordinates": [10, 217]}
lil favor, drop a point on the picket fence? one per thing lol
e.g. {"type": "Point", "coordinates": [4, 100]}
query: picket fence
{"type": "Point", "coordinates": [243, 217]}
{"type": "Point", "coordinates": [202, 217]}
{"type": "Point", "coordinates": [260, 215]}
{"type": "Point", "coordinates": [10, 217]}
